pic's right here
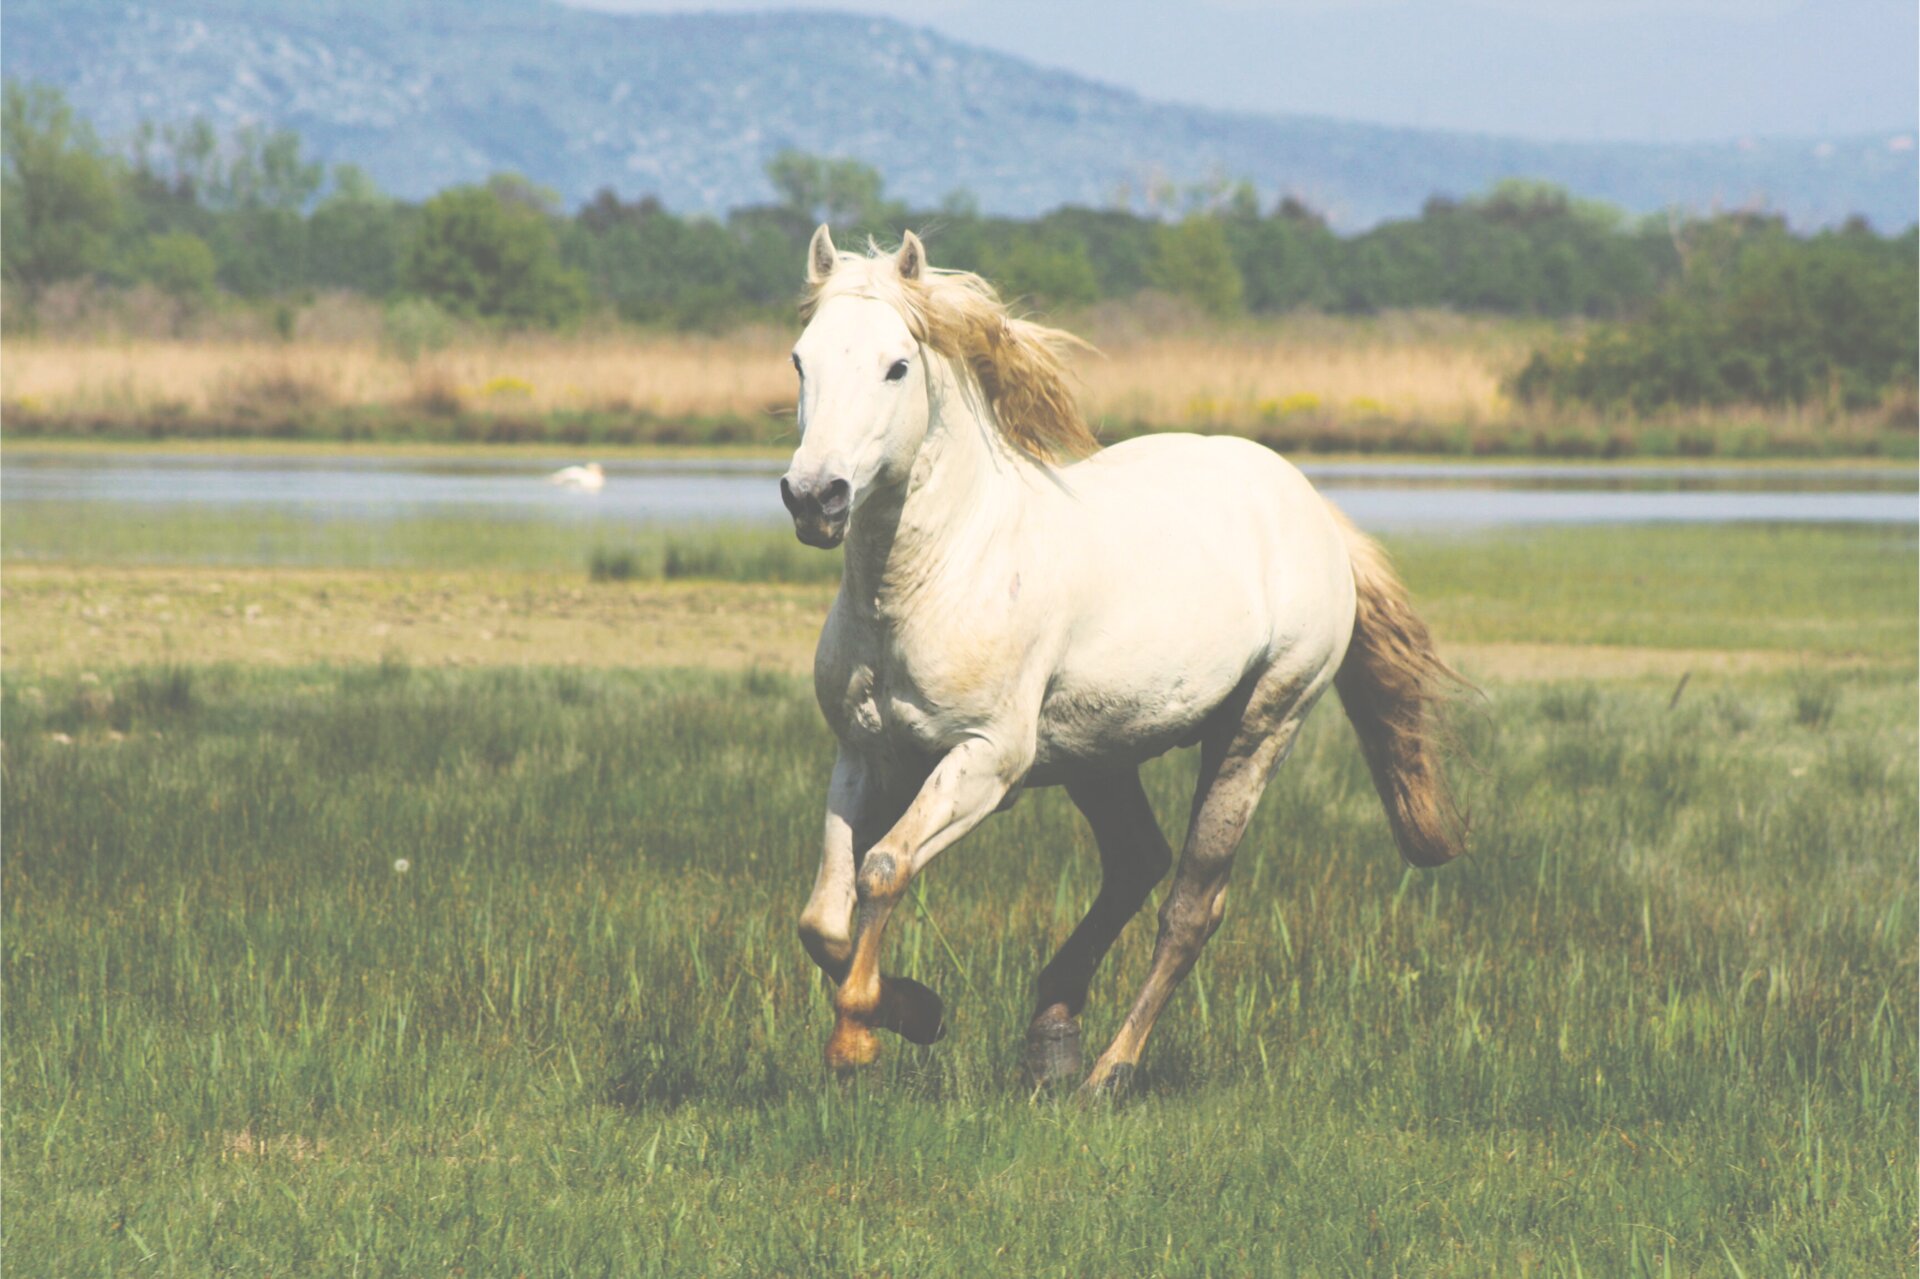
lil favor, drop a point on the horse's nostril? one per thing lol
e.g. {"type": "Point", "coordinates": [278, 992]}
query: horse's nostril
{"type": "Point", "coordinates": [787, 498]}
{"type": "Point", "coordinates": [834, 497]}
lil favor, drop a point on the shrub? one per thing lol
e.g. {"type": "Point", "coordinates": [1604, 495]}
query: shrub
{"type": "Point", "coordinates": [1757, 318]}
{"type": "Point", "coordinates": [484, 251]}
{"type": "Point", "coordinates": [178, 263]}
{"type": "Point", "coordinates": [607, 565]}
{"type": "Point", "coordinates": [414, 326]}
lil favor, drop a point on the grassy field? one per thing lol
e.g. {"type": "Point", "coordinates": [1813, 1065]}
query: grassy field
{"type": "Point", "coordinates": [88, 588]}
{"type": "Point", "coordinates": [1400, 383]}
{"type": "Point", "coordinates": [1662, 1021]}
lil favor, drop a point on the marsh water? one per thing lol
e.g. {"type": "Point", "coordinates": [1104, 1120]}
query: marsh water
{"type": "Point", "coordinates": [1385, 495]}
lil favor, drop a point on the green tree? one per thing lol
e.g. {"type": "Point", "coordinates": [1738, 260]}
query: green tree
{"type": "Point", "coordinates": [266, 172]}
{"type": "Point", "coordinates": [1049, 274]}
{"type": "Point", "coordinates": [1119, 246]}
{"type": "Point", "coordinates": [837, 190]}
{"type": "Point", "coordinates": [690, 273]}
{"type": "Point", "coordinates": [357, 236]}
{"type": "Point", "coordinates": [476, 254]}
{"type": "Point", "coordinates": [59, 197]}
{"type": "Point", "coordinates": [1286, 260]}
{"type": "Point", "coordinates": [1193, 260]}
{"type": "Point", "coordinates": [1758, 317]}
{"type": "Point", "coordinates": [179, 263]}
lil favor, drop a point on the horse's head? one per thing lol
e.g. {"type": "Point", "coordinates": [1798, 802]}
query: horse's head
{"type": "Point", "coordinates": [863, 390]}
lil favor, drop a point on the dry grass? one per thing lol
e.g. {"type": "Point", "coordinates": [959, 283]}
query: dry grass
{"type": "Point", "coordinates": [1235, 379]}
{"type": "Point", "coordinates": [1253, 380]}
{"type": "Point", "coordinates": [1406, 382]}
{"type": "Point", "coordinates": [741, 374]}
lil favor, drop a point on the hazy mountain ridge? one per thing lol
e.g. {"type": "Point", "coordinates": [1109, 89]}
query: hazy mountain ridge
{"type": "Point", "coordinates": [425, 93]}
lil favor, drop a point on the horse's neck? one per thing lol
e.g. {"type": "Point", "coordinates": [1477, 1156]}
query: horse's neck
{"type": "Point", "coordinates": [967, 481]}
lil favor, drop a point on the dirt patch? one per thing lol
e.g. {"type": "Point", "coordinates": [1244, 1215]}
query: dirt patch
{"type": "Point", "coordinates": [64, 619]}
{"type": "Point", "coordinates": [68, 619]}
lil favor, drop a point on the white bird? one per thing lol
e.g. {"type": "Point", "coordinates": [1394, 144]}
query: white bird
{"type": "Point", "coordinates": [589, 478]}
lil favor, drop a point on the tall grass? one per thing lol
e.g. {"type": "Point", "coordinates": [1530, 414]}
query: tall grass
{"type": "Point", "coordinates": [1407, 382]}
{"type": "Point", "coordinates": [1660, 1022]}
{"type": "Point", "coordinates": [1402, 367]}
{"type": "Point", "coordinates": [743, 374]}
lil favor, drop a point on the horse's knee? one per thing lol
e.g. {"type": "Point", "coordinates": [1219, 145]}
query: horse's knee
{"type": "Point", "coordinates": [1181, 916]}
{"type": "Point", "coordinates": [881, 876]}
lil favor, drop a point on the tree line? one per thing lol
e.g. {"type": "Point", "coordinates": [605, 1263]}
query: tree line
{"type": "Point", "coordinates": [1694, 310]}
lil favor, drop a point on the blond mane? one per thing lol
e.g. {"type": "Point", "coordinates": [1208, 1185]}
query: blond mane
{"type": "Point", "coordinates": [1021, 366]}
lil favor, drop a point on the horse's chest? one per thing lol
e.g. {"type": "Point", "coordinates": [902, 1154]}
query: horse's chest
{"type": "Point", "coordinates": [880, 696]}
{"type": "Point", "coordinates": [860, 718]}
{"type": "Point", "coordinates": [879, 710]}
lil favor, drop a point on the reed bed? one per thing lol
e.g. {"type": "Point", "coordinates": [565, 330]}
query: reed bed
{"type": "Point", "coordinates": [743, 374]}
{"type": "Point", "coordinates": [1412, 370]}
{"type": "Point", "coordinates": [1394, 384]}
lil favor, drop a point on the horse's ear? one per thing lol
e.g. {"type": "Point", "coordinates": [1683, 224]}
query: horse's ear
{"type": "Point", "coordinates": [912, 258]}
{"type": "Point", "coordinates": [821, 255]}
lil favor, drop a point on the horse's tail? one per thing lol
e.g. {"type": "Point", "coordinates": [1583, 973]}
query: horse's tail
{"type": "Point", "coordinates": [1394, 685]}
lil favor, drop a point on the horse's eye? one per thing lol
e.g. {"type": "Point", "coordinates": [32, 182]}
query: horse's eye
{"type": "Point", "coordinates": [796, 365]}
{"type": "Point", "coordinates": [898, 371]}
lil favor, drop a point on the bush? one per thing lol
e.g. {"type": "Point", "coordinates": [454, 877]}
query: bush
{"type": "Point", "coordinates": [607, 565]}
{"type": "Point", "coordinates": [1193, 260]}
{"type": "Point", "coordinates": [1758, 318]}
{"type": "Point", "coordinates": [480, 251]}
{"type": "Point", "coordinates": [179, 263]}
{"type": "Point", "coordinates": [412, 327]}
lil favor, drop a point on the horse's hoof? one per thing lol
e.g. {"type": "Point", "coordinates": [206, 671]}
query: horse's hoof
{"type": "Point", "coordinates": [851, 1047]}
{"type": "Point", "coordinates": [912, 1012]}
{"type": "Point", "coordinates": [1053, 1048]}
{"type": "Point", "coordinates": [1111, 1086]}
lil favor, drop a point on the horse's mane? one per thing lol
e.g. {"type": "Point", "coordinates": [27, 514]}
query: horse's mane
{"type": "Point", "coordinates": [1020, 365]}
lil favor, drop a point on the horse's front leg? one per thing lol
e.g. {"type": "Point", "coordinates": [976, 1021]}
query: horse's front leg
{"type": "Point", "coordinates": [826, 924]}
{"type": "Point", "coordinates": [965, 786]}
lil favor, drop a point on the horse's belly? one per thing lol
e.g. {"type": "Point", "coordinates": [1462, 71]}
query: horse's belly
{"type": "Point", "coordinates": [1099, 723]}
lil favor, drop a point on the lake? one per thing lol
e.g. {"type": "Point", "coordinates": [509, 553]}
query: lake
{"type": "Point", "coordinates": [1396, 496]}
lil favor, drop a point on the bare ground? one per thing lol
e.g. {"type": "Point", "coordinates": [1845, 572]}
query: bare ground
{"type": "Point", "coordinates": [64, 620]}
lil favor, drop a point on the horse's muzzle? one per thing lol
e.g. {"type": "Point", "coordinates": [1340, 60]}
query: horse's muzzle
{"type": "Point", "coordinates": [819, 508]}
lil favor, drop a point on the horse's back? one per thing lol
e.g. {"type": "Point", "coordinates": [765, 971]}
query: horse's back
{"type": "Point", "coordinates": [1217, 516]}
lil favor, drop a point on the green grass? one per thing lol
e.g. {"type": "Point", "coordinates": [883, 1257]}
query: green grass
{"type": "Point", "coordinates": [1817, 589]}
{"type": "Point", "coordinates": [1834, 590]}
{"type": "Point", "coordinates": [82, 532]}
{"type": "Point", "coordinates": [1662, 1020]}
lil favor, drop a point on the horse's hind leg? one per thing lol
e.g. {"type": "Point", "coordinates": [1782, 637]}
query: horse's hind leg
{"type": "Point", "coordinates": [1133, 857]}
{"type": "Point", "coordinates": [1235, 767]}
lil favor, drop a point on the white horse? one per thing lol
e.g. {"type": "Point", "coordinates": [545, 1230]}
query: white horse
{"type": "Point", "coordinates": [1019, 609]}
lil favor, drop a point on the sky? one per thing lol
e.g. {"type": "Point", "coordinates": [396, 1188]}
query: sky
{"type": "Point", "coordinates": [1570, 70]}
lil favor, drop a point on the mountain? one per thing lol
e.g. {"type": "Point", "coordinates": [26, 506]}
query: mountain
{"type": "Point", "coordinates": [688, 107]}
